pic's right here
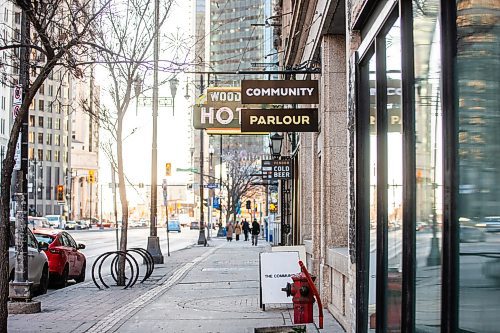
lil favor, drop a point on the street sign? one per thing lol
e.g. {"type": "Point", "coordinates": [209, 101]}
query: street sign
{"type": "Point", "coordinates": [279, 91]}
{"type": "Point", "coordinates": [18, 95]}
{"type": "Point", "coordinates": [15, 110]}
{"type": "Point", "coordinates": [276, 169]}
{"type": "Point", "coordinates": [216, 203]}
{"type": "Point", "coordinates": [211, 186]}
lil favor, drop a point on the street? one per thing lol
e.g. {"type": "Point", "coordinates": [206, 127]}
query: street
{"type": "Point", "coordinates": [99, 241]}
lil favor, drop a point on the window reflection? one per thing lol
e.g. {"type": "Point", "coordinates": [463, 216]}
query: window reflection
{"type": "Point", "coordinates": [373, 197]}
{"type": "Point", "coordinates": [478, 83]}
{"type": "Point", "coordinates": [428, 150]}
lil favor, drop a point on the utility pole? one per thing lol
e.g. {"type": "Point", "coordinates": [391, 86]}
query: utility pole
{"type": "Point", "coordinates": [201, 239]}
{"type": "Point", "coordinates": [220, 183]}
{"type": "Point", "coordinates": [153, 239]}
{"type": "Point", "coordinates": [21, 289]}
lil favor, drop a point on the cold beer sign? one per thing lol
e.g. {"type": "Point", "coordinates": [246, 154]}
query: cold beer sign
{"type": "Point", "coordinates": [276, 169]}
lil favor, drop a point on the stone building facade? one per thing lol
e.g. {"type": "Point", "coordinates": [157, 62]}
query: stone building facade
{"type": "Point", "coordinates": [389, 191]}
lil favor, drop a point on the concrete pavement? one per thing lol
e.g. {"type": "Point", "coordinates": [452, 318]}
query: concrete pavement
{"type": "Point", "coordinates": [198, 289]}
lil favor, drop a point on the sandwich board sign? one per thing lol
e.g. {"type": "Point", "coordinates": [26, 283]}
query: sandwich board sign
{"type": "Point", "coordinates": [276, 269]}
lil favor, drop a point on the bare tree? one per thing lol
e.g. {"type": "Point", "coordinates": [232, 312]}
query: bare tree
{"type": "Point", "coordinates": [128, 31]}
{"type": "Point", "coordinates": [242, 173]}
{"type": "Point", "coordinates": [62, 33]}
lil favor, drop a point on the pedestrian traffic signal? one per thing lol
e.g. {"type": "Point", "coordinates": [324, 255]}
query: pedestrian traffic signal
{"type": "Point", "coordinates": [168, 169]}
{"type": "Point", "coordinates": [249, 204]}
{"type": "Point", "coordinates": [91, 176]}
{"type": "Point", "coordinates": [60, 193]}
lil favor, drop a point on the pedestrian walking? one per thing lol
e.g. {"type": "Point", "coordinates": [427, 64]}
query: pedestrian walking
{"type": "Point", "coordinates": [237, 230]}
{"type": "Point", "coordinates": [255, 232]}
{"type": "Point", "coordinates": [229, 232]}
{"type": "Point", "coordinates": [246, 229]}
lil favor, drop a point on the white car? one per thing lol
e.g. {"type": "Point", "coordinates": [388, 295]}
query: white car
{"type": "Point", "coordinates": [38, 265]}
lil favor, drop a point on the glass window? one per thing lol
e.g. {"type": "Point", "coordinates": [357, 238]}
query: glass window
{"type": "Point", "coordinates": [478, 106]}
{"type": "Point", "coordinates": [40, 138]}
{"type": "Point", "coordinates": [394, 185]}
{"type": "Point", "coordinates": [428, 152]}
{"type": "Point", "coordinates": [40, 122]}
{"type": "Point", "coordinates": [373, 192]}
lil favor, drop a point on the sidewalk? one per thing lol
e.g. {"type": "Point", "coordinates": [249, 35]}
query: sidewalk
{"type": "Point", "coordinates": [199, 289]}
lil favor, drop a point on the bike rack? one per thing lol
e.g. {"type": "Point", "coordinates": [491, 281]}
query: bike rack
{"type": "Point", "coordinates": [129, 260]}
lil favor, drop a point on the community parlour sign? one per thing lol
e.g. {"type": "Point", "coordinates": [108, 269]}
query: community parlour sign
{"type": "Point", "coordinates": [279, 120]}
{"type": "Point", "coordinates": [279, 92]}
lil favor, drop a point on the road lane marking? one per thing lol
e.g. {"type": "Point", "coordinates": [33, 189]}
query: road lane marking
{"type": "Point", "coordinates": [108, 322]}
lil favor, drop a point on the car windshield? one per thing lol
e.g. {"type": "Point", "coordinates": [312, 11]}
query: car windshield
{"type": "Point", "coordinates": [44, 238]}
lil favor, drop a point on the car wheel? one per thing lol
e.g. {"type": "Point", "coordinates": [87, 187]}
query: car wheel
{"type": "Point", "coordinates": [80, 278]}
{"type": "Point", "coordinates": [63, 280]}
{"type": "Point", "coordinates": [44, 281]}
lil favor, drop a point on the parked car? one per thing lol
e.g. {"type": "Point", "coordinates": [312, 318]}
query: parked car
{"type": "Point", "coordinates": [174, 225]}
{"type": "Point", "coordinates": [490, 224]}
{"type": "Point", "coordinates": [194, 225]}
{"type": "Point", "coordinates": [82, 225]}
{"type": "Point", "coordinates": [471, 234]}
{"type": "Point", "coordinates": [38, 264]}
{"type": "Point", "coordinates": [56, 221]}
{"type": "Point", "coordinates": [65, 260]}
{"type": "Point", "coordinates": [35, 222]}
{"type": "Point", "coordinates": [134, 224]}
{"type": "Point", "coordinates": [70, 225]}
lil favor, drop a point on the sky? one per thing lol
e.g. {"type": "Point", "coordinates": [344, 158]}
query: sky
{"type": "Point", "coordinates": [173, 141]}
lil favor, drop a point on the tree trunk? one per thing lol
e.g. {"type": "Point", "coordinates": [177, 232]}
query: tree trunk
{"type": "Point", "coordinates": [124, 203]}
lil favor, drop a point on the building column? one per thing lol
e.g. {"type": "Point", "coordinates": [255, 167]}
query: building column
{"type": "Point", "coordinates": [334, 170]}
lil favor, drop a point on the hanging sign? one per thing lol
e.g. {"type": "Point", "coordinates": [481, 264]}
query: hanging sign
{"type": "Point", "coordinates": [276, 169]}
{"type": "Point", "coordinates": [279, 92]}
{"type": "Point", "coordinates": [279, 120]}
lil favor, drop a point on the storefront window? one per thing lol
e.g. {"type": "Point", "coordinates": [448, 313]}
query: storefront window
{"type": "Point", "coordinates": [428, 150]}
{"type": "Point", "coordinates": [373, 196]}
{"type": "Point", "coordinates": [394, 178]}
{"type": "Point", "coordinates": [478, 105]}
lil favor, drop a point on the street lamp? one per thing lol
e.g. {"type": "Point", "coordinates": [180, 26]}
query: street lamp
{"type": "Point", "coordinates": [276, 143]}
{"type": "Point", "coordinates": [137, 91]}
{"type": "Point", "coordinates": [211, 153]}
{"type": "Point", "coordinates": [174, 83]}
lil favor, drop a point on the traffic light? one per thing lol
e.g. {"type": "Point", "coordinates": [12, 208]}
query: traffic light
{"type": "Point", "coordinates": [60, 193]}
{"type": "Point", "coordinates": [91, 176]}
{"type": "Point", "coordinates": [272, 207]}
{"type": "Point", "coordinates": [168, 169]}
{"type": "Point", "coordinates": [249, 204]}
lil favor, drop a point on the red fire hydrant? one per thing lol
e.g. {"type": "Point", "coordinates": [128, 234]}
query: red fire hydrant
{"type": "Point", "coordinates": [303, 291]}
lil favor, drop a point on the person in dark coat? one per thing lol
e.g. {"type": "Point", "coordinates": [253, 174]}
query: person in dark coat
{"type": "Point", "coordinates": [255, 232]}
{"type": "Point", "coordinates": [246, 229]}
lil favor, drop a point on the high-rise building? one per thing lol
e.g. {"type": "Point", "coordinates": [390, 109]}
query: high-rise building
{"type": "Point", "coordinates": [83, 190]}
{"type": "Point", "coordinates": [231, 36]}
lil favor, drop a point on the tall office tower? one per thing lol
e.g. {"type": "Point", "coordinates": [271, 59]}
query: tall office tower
{"type": "Point", "coordinates": [83, 176]}
{"type": "Point", "coordinates": [49, 144]}
{"type": "Point", "coordinates": [237, 38]}
{"type": "Point", "coordinates": [7, 21]}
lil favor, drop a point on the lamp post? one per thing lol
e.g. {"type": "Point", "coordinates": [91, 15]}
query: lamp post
{"type": "Point", "coordinates": [275, 146]}
{"type": "Point", "coordinates": [276, 143]}
{"type": "Point", "coordinates": [174, 83]}
{"type": "Point", "coordinates": [137, 91]}
{"type": "Point", "coordinates": [153, 239]}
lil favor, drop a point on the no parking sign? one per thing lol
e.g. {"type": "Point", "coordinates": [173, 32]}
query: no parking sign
{"type": "Point", "coordinates": [18, 95]}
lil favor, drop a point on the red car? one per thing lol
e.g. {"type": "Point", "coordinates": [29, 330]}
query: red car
{"type": "Point", "coordinates": [65, 260]}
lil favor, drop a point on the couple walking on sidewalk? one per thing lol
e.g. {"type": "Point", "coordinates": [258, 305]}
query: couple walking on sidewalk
{"type": "Point", "coordinates": [255, 230]}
